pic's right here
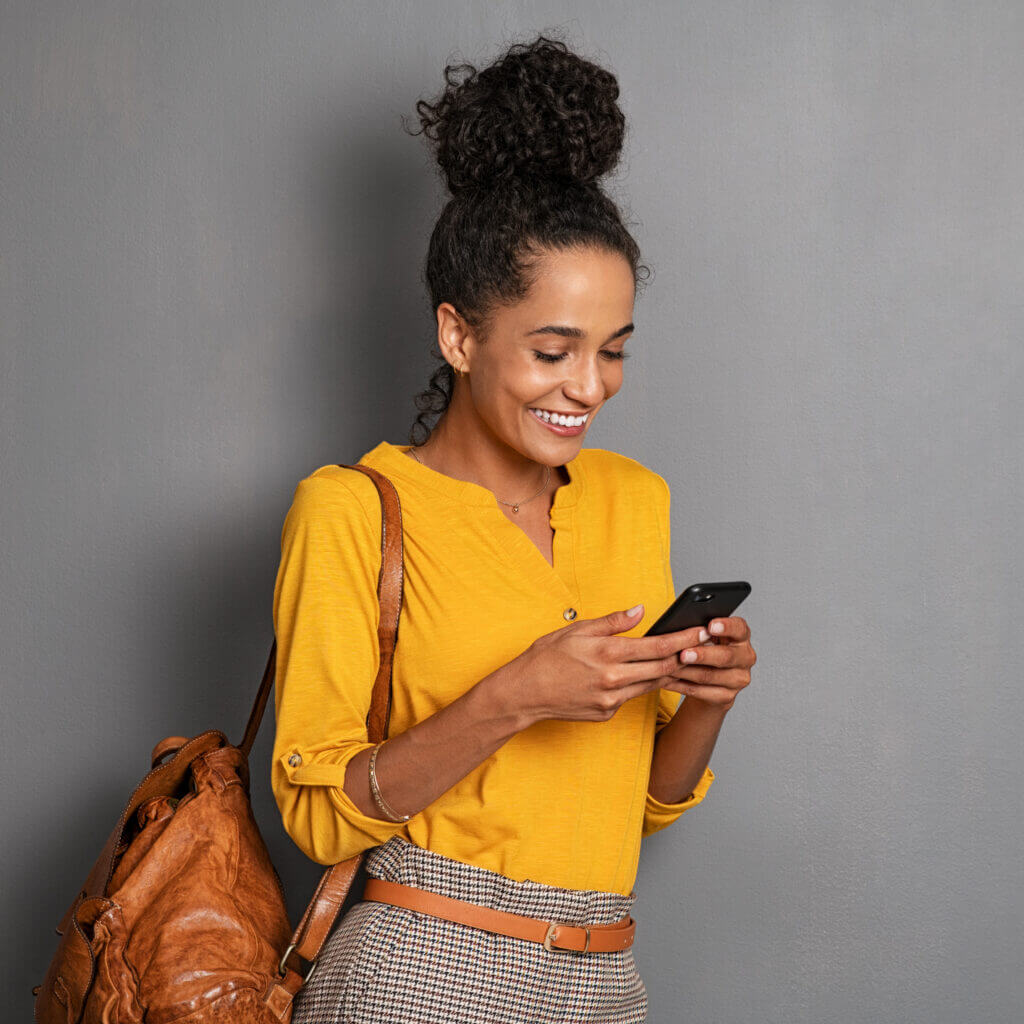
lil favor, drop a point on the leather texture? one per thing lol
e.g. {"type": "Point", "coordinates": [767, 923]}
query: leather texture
{"type": "Point", "coordinates": [593, 938]}
{"type": "Point", "coordinates": [183, 917]}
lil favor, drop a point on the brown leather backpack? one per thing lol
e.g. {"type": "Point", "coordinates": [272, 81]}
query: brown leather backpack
{"type": "Point", "coordinates": [183, 917]}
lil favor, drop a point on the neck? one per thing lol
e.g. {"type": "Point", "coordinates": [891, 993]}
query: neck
{"type": "Point", "coordinates": [461, 447]}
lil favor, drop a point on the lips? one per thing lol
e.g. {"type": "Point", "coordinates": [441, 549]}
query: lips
{"type": "Point", "coordinates": [557, 428]}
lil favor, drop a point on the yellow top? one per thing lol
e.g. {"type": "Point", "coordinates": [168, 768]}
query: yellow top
{"type": "Point", "coordinates": [564, 803]}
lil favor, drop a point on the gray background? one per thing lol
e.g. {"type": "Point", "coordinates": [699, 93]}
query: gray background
{"type": "Point", "coordinates": [212, 234]}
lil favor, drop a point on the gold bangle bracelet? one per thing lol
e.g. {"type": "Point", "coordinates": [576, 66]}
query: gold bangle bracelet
{"type": "Point", "coordinates": [376, 790]}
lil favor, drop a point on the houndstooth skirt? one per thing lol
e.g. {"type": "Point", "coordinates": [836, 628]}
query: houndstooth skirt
{"type": "Point", "coordinates": [384, 964]}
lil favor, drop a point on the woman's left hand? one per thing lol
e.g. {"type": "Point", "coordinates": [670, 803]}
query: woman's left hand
{"type": "Point", "coordinates": [720, 667]}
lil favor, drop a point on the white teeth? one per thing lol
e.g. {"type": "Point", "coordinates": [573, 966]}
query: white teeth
{"type": "Point", "coordinates": [564, 421]}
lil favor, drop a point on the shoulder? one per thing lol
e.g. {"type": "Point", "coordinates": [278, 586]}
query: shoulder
{"type": "Point", "coordinates": [339, 494]}
{"type": "Point", "coordinates": [613, 471]}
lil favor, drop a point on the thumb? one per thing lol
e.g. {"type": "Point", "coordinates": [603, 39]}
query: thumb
{"type": "Point", "coordinates": [616, 622]}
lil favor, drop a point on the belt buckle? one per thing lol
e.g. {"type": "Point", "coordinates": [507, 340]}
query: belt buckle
{"type": "Point", "coordinates": [565, 949]}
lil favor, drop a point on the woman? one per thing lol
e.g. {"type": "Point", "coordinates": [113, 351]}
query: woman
{"type": "Point", "coordinates": [521, 771]}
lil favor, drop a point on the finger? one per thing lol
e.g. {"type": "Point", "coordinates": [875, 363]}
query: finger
{"type": "Point", "coordinates": [644, 673]}
{"type": "Point", "coordinates": [606, 625]}
{"type": "Point", "coordinates": [628, 691]}
{"type": "Point", "coordinates": [662, 645]}
{"type": "Point", "coordinates": [645, 686]}
{"type": "Point", "coordinates": [716, 655]}
{"type": "Point", "coordinates": [702, 691]}
{"type": "Point", "coordinates": [731, 629]}
{"type": "Point", "coordinates": [731, 678]}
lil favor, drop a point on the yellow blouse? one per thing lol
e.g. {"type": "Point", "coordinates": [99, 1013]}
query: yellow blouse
{"type": "Point", "coordinates": [561, 802]}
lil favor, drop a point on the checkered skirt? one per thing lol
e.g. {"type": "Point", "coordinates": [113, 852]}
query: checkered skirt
{"type": "Point", "coordinates": [384, 964]}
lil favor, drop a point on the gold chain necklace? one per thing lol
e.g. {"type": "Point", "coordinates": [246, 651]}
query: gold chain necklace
{"type": "Point", "coordinates": [515, 505]}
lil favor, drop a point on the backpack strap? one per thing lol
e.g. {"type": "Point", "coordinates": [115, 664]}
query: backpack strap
{"type": "Point", "coordinates": [320, 915]}
{"type": "Point", "coordinates": [389, 594]}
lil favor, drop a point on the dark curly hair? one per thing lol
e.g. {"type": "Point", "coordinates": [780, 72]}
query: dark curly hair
{"type": "Point", "coordinates": [521, 145]}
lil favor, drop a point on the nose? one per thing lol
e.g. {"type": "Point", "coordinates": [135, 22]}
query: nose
{"type": "Point", "coordinates": [586, 385]}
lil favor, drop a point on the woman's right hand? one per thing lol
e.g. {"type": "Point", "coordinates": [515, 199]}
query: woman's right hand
{"type": "Point", "coordinates": [585, 672]}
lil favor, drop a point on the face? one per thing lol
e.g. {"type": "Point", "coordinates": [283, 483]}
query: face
{"type": "Point", "coordinates": [559, 350]}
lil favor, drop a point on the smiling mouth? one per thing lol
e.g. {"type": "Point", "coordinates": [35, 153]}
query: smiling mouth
{"type": "Point", "coordinates": [559, 419]}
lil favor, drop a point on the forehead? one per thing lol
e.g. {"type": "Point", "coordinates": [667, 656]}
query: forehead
{"type": "Point", "coordinates": [578, 288]}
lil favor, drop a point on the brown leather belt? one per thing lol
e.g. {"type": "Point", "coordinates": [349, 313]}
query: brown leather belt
{"type": "Point", "coordinates": [593, 938]}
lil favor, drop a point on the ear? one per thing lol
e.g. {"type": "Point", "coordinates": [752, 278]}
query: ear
{"type": "Point", "coordinates": [454, 336]}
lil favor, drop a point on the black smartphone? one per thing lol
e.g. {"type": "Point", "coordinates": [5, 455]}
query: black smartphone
{"type": "Point", "coordinates": [699, 604]}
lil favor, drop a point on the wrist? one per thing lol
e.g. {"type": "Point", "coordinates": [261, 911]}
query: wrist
{"type": "Point", "coordinates": [498, 695]}
{"type": "Point", "coordinates": [695, 707]}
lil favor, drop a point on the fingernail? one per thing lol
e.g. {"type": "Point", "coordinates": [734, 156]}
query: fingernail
{"type": "Point", "coordinates": [634, 609]}
{"type": "Point", "coordinates": [704, 635]}
{"type": "Point", "coordinates": [689, 655]}
{"type": "Point", "coordinates": [717, 627]}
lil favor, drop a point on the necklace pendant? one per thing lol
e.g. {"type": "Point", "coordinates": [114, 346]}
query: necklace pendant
{"type": "Point", "coordinates": [515, 508]}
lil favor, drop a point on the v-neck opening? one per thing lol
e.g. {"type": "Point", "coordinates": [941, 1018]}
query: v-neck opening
{"type": "Point", "coordinates": [525, 556]}
{"type": "Point", "coordinates": [524, 553]}
{"type": "Point", "coordinates": [515, 544]}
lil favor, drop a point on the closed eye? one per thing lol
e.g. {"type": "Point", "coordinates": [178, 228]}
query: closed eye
{"type": "Point", "coordinates": [547, 357]}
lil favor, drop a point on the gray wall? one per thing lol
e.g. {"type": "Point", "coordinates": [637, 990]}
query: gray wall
{"type": "Point", "coordinates": [212, 231]}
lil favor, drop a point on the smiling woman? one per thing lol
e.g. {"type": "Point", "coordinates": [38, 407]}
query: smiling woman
{"type": "Point", "coordinates": [529, 245]}
{"type": "Point", "coordinates": [583, 299]}
{"type": "Point", "coordinates": [505, 812]}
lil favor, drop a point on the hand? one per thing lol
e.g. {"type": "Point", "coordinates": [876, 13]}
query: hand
{"type": "Point", "coordinates": [584, 672]}
{"type": "Point", "coordinates": [721, 667]}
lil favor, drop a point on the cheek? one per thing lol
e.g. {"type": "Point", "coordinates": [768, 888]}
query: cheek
{"type": "Point", "coordinates": [533, 382]}
{"type": "Point", "coordinates": [612, 381]}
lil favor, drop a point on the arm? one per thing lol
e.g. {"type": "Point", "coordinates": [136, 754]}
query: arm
{"type": "Point", "coordinates": [682, 750]}
{"type": "Point", "coordinates": [325, 621]}
{"type": "Point", "coordinates": [686, 731]}
{"type": "Point", "coordinates": [660, 811]}
{"type": "Point", "coordinates": [415, 767]}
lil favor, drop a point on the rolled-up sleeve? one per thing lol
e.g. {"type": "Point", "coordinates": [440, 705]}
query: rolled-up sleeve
{"type": "Point", "coordinates": [325, 622]}
{"type": "Point", "coordinates": [658, 815]}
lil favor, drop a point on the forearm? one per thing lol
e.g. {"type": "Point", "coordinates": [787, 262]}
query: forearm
{"type": "Point", "coordinates": [682, 750]}
{"type": "Point", "coordinates": [417, 766]}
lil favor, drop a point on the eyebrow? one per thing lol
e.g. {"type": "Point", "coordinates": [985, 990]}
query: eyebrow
{"type": "Point", "coordinates": [575, 332]}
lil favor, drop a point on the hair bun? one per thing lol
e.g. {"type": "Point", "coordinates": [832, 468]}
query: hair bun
{"type": "Point", "coordinates": [538, 112]}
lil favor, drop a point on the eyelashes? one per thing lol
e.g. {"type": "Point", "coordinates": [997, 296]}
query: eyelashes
{"type": "Point", "coordinates": [547, 357]}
